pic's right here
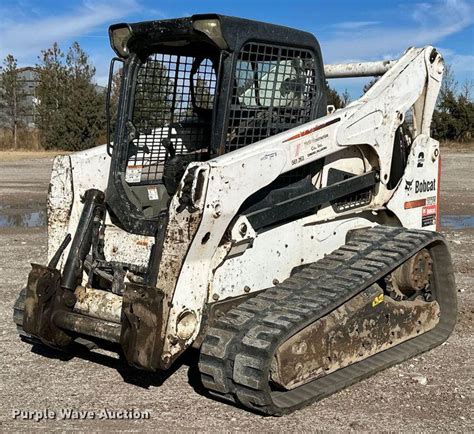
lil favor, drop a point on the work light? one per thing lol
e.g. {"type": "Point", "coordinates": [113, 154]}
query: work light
{"type": "Point", "coordinates": [119, 36]}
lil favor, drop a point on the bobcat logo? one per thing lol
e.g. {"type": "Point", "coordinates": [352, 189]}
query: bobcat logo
{"type": "Point", "coordinates": [408, 185]}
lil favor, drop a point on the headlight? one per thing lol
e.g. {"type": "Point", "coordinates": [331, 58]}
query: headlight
{"type": "Point", "coordinates": [119, 35]}
{"type": "Point", "coordinates": [212, 28]}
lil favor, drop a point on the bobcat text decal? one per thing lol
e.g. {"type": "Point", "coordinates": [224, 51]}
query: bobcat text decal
{"type": "Point", "coordinates": [422, 186]}
{"type": "Point", "coordinates": [425, 186]}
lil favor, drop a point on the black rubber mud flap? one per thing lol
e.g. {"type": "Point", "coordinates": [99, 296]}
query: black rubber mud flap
{"type": "Point", "coordinates": [142, 319]}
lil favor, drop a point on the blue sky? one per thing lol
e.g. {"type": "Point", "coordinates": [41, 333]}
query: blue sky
{"type": "Point", "coordinates": [347, 30]}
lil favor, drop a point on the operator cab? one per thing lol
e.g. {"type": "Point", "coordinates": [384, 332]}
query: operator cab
{"type": "Point", "coordinates": [196, 88]}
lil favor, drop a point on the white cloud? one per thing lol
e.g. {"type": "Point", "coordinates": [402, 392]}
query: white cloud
{"type": "Point", "coordinates": [452, 13]}
{"type": "Point", "coordinates": [461, 63]}
{"type": "Point", "coordinates": [26, 37]}
{"type": "Point", "coordinates": [431, 22]}
{"type": "Point", "coordinates": [353, 25]}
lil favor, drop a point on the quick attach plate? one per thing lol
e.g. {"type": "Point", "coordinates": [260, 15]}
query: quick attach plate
{"type": "Point", "coordinates": [142, 321]}
{"type": "Point", "coordinates": [44, 285]}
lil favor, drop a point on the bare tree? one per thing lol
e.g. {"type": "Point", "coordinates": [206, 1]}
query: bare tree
{"type": "Point", "coordinates": [466, 89]}
{"type": "Point", "coordinates": [345, 98]}
{"type": "Point", "coordinates": [449, 85]}
{"type": "Point", "coordinates": [12, 96]}
{"type": "Point", "coordinates": [367, 86]}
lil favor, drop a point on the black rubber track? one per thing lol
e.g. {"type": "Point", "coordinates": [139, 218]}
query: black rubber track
{"type": "Point", "coordinates": [237, 351]}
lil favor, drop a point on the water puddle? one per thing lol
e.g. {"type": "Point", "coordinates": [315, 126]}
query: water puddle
{"type": "Point", "coordinates": [457, 222]}
{"type": "Point", "coordinates": [29, 216]}
{"type": "Point", "coordinates": [33, 215]}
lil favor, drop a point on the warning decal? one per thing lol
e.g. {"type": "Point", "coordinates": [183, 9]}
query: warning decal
{"type": "Point", "coordinates": [133, 174]}
{"type": "Point", "coordinates": [152, 193]}
{"type": "Point", "coordinates": [428, 215]}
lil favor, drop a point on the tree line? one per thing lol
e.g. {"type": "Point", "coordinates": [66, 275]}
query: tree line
{"type": "Point", "coordinates": [70, 108]}
{"type": "Point", "coordinates": [453, 118]}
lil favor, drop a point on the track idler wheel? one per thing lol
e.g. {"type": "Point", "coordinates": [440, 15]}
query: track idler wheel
{"type": "Point", "coordinates": [413, 276]}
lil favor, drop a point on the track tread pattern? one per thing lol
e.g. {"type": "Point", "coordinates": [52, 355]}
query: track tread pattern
{"type": "Point", "coordinates": [237, 351]}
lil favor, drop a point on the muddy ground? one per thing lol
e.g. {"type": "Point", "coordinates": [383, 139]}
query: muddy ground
{"type": "Point", "coordinates": [431, 392]}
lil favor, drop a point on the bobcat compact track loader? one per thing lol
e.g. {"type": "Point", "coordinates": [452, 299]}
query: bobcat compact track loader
{"type": "Point", "coordinates": [296, 249]}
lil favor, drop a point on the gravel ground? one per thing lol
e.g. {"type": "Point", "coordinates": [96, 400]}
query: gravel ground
{"type": "Point", "coordinates": [431, 392]}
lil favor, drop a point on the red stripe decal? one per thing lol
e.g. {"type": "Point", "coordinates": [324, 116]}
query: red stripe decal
{"type": "Point", "coordinates": [415, 203]}
{"type": "Point", "coordinates": [312, 130]}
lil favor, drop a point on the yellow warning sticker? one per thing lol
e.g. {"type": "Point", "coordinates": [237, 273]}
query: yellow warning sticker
{"type": "Point", "coordinates": [377, 300]}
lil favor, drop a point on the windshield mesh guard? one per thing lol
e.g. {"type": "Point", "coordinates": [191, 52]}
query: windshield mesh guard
{"type": "Point", "coordinates": [274, 91]}
{"type": "Point", "coordinates": [169, 117]}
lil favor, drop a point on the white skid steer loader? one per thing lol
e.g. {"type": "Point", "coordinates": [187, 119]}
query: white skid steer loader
{"type": "Point", "coordinates": [296, 249]}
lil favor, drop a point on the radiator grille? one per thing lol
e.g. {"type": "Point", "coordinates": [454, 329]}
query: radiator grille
{"type": "Point", "coordinates": [167, 113]}
{"type": "Point", "coordinates": [274, 91]}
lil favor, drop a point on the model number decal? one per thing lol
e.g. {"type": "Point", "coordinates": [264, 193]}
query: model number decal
{"type": "Point", "coordinates": [311, 145]}
{"type": "Point", "coordinates": [297, 160]}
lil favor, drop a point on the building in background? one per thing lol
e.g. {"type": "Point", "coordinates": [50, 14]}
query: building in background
{"type": "Point", "coordinates": [30, 78]}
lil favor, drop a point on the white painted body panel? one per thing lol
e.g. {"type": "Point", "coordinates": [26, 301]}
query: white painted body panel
{"type": "Point", "coordinates": [275, 253]}
{"type": "Point", "coordinates": [71, 177]}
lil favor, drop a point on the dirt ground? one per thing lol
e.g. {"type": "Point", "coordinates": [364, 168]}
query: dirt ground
{"type": "Point", "coordinates": [433, 392]}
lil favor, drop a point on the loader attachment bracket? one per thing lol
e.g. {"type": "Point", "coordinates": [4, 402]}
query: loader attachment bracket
{"type": "Point", "coordinates": [142, 312]}
{"type": "Point", "coordinates": [48, 291]}
{"type": "Point", "coordinates": [43, 288]}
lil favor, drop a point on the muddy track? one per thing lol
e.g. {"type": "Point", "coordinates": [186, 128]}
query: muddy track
{"type": "Point", "coordinates": [238, 351]}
